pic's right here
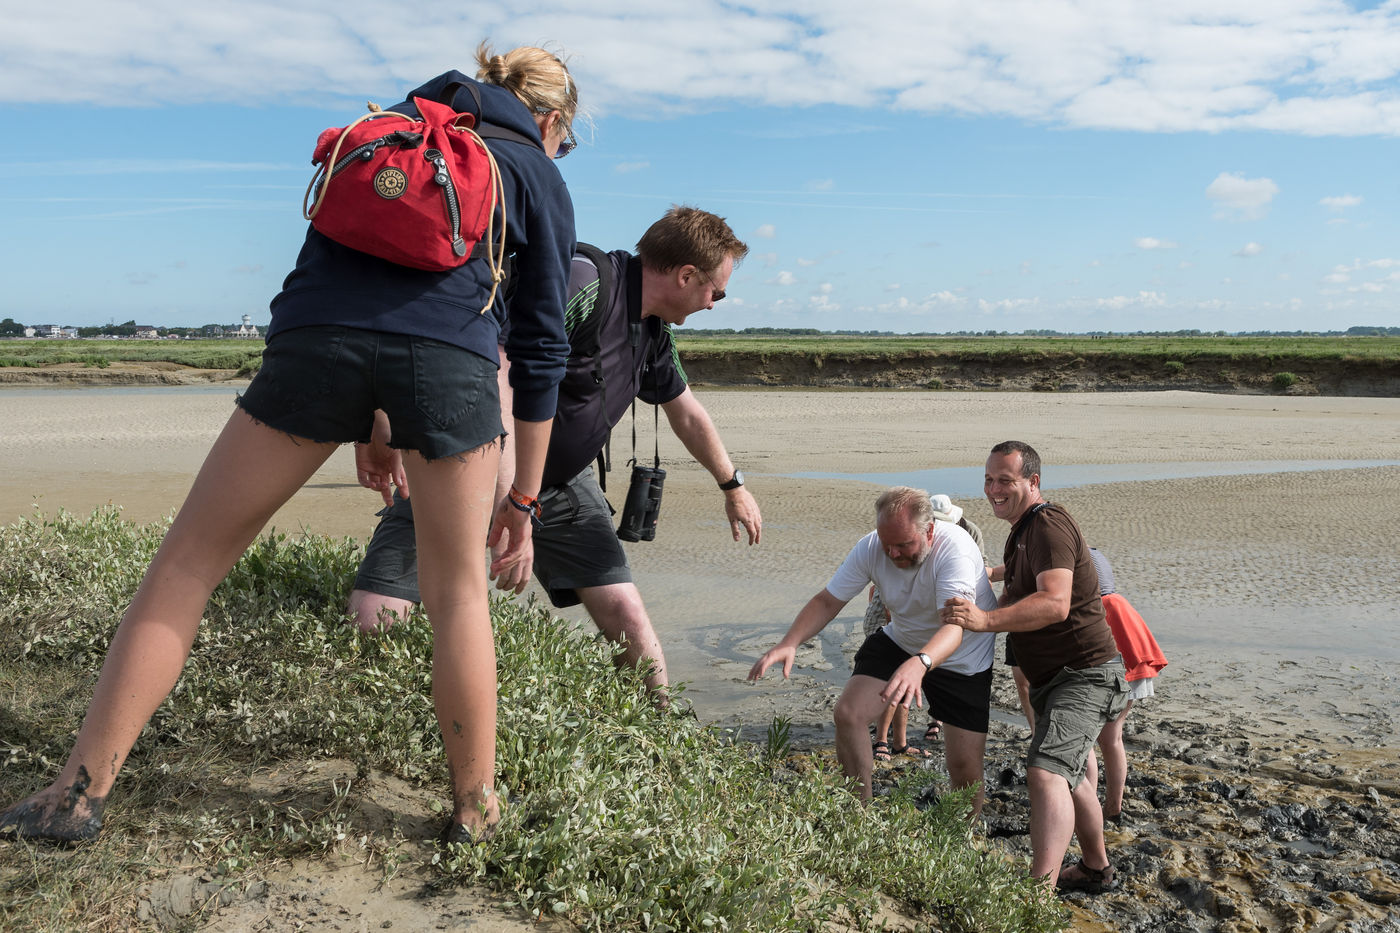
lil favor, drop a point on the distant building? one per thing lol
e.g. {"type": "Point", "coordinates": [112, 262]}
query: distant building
{"type": "Point", "coordinates": [47, 330]}
{"type": "Point", "coordinates": [246, 329]}
{"type": "Point", "coordinates": [146, 332]}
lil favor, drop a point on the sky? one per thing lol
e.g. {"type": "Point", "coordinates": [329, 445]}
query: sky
{"type": "Point", "coordinates": [934, 166]}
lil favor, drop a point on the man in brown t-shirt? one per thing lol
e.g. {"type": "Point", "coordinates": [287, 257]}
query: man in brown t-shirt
{"type": "Point", "coordinates": [1051, 610]}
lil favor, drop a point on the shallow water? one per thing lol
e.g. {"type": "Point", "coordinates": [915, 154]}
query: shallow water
{"type": "Point", "coordinates": [957, 482]}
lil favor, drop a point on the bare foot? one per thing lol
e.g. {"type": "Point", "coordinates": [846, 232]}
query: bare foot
{"type": "Point", "coordinates": [64, 815]}
{"type": "Point", "coordinates": [475, 821]}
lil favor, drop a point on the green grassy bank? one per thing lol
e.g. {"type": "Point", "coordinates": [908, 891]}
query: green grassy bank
{"type": "Point", "coordinates": [239, 355]}
{"type": "Point", "coordinates": [621, 816]}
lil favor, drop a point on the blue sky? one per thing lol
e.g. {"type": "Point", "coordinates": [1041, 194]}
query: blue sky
{"type": "Point", "coordinates": [903, 166]}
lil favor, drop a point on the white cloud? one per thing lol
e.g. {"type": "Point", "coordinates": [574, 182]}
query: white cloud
{"type": "Point", "coordinates": [1005, 304]}
{"type": "Point", "coordinates": [1301, 66]}
{"type": "Point", "coordinates": [765, 231]}
{"type": "Point", "coordinates": [1241, 198]}
{"type": "Point", "coordinates": [806, 262]}
{"type": "Point", "coordinates": [824, 184]}
{"type": "Point", "coordinates": [783, 278]}
{"type": "Point", "coordinates": [1151, 242]}
{"type": "Point", "coordinates": [627, 168]}
{"type": "Point", "coordinates": [1140, 300]}
{"type": "Point", "coordinates": [1249, 250]}
{"type": "Point", "coordinates": [825, 288]}
{"type": "Point", "coordinates": [1340, 202]}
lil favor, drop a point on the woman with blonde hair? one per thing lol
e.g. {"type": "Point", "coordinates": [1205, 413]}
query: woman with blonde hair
{"type": "Point", "coordinates": [359, 345]}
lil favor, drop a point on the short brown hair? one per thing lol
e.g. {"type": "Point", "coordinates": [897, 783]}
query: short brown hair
{"type": "Point", "coordinates": [913, 502]}
{"type": "Point", "coordinates": [1030, 460]}
{"type": "Point", "coordinates": [689, 236]}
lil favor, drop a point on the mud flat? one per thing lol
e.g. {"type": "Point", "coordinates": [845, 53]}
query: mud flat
{"type": "Point", "coordinates": [1264, 793]}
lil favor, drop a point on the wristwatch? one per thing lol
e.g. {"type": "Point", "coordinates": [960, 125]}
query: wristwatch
{"type": "Point", "coordinates": [928, 661]}
{"type": "Point", "coordinates": [735, 482]}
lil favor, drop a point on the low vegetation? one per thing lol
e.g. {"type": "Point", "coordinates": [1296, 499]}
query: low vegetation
{"type": "Point", "coordinates": [622, 816]}
{"type": "Point", "coordinates": [197, 354]}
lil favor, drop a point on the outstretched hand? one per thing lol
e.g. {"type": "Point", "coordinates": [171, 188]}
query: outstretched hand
{"type": "Point", "coordinates": [905, 688]}
{"type": "Point", "coordinates": [773, 656]}
{"type": "Point", "coordinates": [742, 512]}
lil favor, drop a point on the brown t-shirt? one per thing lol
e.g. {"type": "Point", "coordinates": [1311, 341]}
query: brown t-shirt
{"type": "Point", "coordinates": [1048, 539]}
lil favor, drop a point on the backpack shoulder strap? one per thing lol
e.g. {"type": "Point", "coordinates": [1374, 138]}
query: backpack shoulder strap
{"type": "Point", "coordinates": [483, 129]}
{"type": "Point", "coordinates": [583, 318]}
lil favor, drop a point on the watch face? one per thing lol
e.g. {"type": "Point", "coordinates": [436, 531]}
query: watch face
{"type": "Point", "coordinates": [738, 478]}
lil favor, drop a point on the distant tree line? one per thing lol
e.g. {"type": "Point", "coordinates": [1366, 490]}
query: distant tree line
{"type": "Point", "coordinates": [9, 327]}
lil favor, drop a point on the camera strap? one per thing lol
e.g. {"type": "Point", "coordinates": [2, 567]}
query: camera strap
{"type": "Point", "coordinates": [656, 434]}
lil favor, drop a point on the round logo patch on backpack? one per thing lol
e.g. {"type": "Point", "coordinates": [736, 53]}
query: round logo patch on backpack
{"type": "Point", "coordinates": [390, 183]}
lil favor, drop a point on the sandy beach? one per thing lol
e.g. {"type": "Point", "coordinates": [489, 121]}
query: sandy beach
{"type": "Point", "coordinates": [1275, 591]}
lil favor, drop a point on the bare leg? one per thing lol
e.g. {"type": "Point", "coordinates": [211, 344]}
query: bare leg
{"type": "Point", "coordinates": [374, 612]}
{"type": "Point", "coordinates": [965, 751]}
{"type": "Point", "coordinates": [618, 612]}
{"type": "Point", "coordinates": [1115, 764]}
{"type": "Point", "coordinates": [249, 473]}
{"type": "Point", "coordinates": [858, 706]}
{"type": "Point", "coordinates": [896, 719]}
{"type": "Point", "coordinates": [1052, 822]}
{"type": "Point", "coordinates": [1088, 817]}
{"type": "Point", "coordinates": [456, 495]}
{"type": "Point", "coordinates": [1023, 691]}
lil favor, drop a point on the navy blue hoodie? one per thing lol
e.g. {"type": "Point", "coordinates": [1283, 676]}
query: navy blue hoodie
{"type": "Point", "coordinates": [333, 284]}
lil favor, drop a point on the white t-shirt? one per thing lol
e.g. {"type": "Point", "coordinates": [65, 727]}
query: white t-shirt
{"type": "Point", "coordinates": [953, 567]}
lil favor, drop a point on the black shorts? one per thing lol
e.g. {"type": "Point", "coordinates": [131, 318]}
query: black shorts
{"type": "Point", "coordinates": [575, 547]}
{"type": "Point", "coordinates": [324, 384]}
{"type": "Point", "coordinates": [962, 700]}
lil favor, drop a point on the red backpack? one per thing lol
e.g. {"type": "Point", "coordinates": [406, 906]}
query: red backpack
{"type": "Point", "coordinates": [420, 193]}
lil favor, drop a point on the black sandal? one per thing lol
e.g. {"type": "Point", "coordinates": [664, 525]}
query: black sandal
{"type": "Point", "coordinates": [1090, 880]}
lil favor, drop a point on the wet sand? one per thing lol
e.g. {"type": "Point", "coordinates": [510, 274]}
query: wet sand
{"type": "Point", "coordinates": [1276, 596]}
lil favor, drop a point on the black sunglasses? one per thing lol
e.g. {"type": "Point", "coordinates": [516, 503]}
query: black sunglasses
{"type": "Point", "coordinates": [716, 294]}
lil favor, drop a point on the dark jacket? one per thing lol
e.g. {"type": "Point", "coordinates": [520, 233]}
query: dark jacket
{"type": "Point", "coordinates": [333, 284]}
{"type": "Point", "coordinates": [638, 362]}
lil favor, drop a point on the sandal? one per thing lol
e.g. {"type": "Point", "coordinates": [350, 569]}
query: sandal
{"type": "Point", "coordinates": [882, 751]}
{"type": "Point", "coordinates": [935, 729]}
{"type": "Point", "coordinates": [913, 751]}
{"type": "Point", "coordinates": [1086, 879]}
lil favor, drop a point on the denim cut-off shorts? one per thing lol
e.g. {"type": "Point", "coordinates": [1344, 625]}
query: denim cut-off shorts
{"type": "Point", "coordinates": [324, 383]}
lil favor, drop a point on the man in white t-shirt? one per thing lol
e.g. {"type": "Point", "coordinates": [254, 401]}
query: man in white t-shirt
{"type": "Point", "coordinates": [918, 565]}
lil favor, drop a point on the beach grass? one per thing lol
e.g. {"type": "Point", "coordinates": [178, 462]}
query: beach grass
{"type": "Point", "coordinates": [242, 355]}
{"type": "Point", "coordinates": [621, 815]}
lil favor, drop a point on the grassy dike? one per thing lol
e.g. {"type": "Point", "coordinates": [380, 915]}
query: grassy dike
{"type": "Point", "coordinates": [621, 816]}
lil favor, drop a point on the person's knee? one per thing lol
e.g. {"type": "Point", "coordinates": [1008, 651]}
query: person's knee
{"type": "Point", "coordinates": [374, 612]}
{"type": "Point", "coordinates": [849, 715]}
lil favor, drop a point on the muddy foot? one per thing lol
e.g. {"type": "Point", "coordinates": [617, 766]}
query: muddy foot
{"type": "Point", "coordinates": [74, 818]}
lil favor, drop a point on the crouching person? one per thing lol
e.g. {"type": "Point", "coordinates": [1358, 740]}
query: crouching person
{"type": "Point", "coordinates": [917, 564]}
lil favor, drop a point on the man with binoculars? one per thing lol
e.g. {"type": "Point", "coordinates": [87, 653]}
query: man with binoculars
{"type": "Point", "coordinates": [682, 265]}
